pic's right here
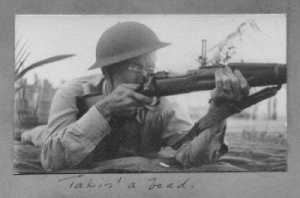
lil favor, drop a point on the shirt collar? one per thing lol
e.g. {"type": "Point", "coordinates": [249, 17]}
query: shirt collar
{"type": "Point", "coordinates": [95, 80]}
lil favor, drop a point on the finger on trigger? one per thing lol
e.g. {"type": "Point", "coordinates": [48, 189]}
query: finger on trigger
{"type": "Point", "coordinates": [141, 98]}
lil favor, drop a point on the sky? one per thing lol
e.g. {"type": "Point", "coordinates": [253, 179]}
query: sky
{"type": "Point", "coordinates": [51, 35]}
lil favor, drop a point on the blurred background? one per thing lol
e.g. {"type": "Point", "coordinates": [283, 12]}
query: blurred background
{"type": "Point", "coordinates": [52, 49]}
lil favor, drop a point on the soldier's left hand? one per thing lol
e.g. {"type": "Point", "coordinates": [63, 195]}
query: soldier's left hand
{"type": "Point", "coordinates": [230, 86]}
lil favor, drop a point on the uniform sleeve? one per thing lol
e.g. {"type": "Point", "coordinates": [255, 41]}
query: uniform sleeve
{"type": "Point", "coordinates": [68, 140]}
{"type": "Point", "coordinates": [206, 148]}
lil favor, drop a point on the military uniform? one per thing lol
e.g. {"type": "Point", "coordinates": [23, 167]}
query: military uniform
{"type": "Point", "coordinates": [69, 140]}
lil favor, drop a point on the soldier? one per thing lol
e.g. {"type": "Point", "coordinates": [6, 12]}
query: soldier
{"type": "Point", "coordinates": [124, 122]}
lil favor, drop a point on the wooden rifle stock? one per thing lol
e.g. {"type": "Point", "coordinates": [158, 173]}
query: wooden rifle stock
{"type": "Point", "coordinates": [163, 84]}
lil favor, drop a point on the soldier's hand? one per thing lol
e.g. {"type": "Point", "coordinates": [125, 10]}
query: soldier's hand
{"type": "Point", "coordinates": [123, 100]}
{"type": "Point", "coordinates": [230, 86]}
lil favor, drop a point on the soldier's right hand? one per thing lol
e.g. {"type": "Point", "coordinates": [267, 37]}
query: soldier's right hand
{"type": "Point", "coordinates": [123, 100]}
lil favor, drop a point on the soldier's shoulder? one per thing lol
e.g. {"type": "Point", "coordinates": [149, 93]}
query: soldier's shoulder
{"type": "Point", "coordinates": [82, 85]}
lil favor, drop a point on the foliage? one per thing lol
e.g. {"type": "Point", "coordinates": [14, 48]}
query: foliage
{"type": "Point", "coordinates": [20, 74]}
{"type": "Point", "coordinates": [27, 97]}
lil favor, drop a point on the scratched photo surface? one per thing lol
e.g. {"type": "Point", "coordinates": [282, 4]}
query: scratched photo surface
{"type": "Point", "coordinates": [51, 51]}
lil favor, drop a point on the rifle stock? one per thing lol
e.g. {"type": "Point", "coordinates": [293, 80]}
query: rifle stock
{"type": "Point", "coordinates": [163, 84]}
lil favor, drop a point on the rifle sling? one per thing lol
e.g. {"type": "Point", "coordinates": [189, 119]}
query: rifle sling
{"type": "Point", "coordinates": [226, 110]}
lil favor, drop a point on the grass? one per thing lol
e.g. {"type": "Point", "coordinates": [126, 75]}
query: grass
{"type": "Point", "coordinates": [256, 153]}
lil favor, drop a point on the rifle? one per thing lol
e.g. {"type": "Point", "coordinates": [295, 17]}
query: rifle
{"type": "Point", "coordinates": [165, 84]}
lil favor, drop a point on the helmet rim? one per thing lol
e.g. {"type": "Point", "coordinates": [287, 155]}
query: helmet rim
{"type": "Point", "coordinates": [125, 56]}
{"type": "Point", "coordinates": [124, 41]}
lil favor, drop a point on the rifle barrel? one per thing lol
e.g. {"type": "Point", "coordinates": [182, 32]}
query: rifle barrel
{"type": "Point", "coordinates": [257, 74]}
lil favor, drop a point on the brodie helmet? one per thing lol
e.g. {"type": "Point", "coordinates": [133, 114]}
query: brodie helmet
{"type": "Point", "coordinates": [124, 41]}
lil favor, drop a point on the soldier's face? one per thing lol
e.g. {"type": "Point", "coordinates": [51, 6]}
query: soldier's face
{"type": "Point", "coordinates": [137, 69]}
